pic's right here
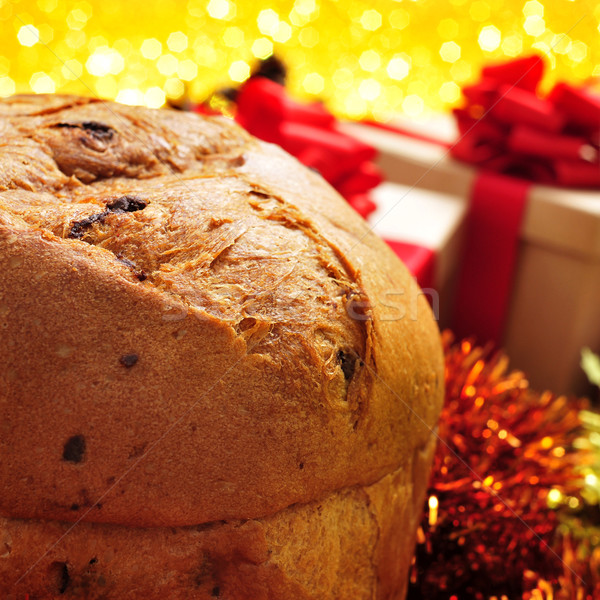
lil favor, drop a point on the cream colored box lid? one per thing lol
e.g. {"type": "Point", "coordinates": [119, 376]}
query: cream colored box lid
{"type": "Point", "coordinates": [422, 217]}
{"type": "Point", "coordinates": [566, 219]}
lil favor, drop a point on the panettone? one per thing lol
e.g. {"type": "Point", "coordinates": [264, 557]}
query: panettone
{"type": "Point", "coordinates": [215, 381]}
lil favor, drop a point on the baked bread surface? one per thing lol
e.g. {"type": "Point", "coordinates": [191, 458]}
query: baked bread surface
{"type": "Point", "coordinates": [195, 328]}
{"type": "Point", "coordinates": [353, 544]}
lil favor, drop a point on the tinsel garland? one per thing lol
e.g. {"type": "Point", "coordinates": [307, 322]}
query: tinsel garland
{"type": "Point", "coordinates": [504, 517]}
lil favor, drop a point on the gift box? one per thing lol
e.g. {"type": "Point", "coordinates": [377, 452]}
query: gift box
{"type": "Point", "coordinates": [425, 228]}
{"type": "Point", "coordinates": [553, 308]}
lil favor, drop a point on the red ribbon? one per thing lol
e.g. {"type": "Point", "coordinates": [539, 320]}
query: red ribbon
{"type": "Point", "coordinates": [309, 132]}
{"type": "Point", "coordinates": [494, 221]}
{"type": "Point", "coordinates": [419, 260]}
{"type": "Point", "coordinates": [507, 127]}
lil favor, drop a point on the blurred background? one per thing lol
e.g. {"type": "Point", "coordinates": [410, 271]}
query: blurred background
{"type": "Point", "coordinates": [364, 58]}
{"type": "Point", "coordinates": [408, 60]}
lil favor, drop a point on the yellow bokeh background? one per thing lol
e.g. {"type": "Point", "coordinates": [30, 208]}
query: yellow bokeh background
{"type": "Point", "coordinates": [363, 58]}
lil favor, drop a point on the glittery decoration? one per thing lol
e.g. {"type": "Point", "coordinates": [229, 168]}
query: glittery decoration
{"type": "Point", "coordinates": [590, 363]}
{"type": "Point", "coordinates": [363, 57]}
{"type": "Point", "coordinates": [505, 466]}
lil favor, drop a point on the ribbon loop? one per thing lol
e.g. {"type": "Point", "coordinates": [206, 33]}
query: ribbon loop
{"type": "Point", "coordinates": [309, 132]}
{"type": "Point", "coordinates": [507, 127]}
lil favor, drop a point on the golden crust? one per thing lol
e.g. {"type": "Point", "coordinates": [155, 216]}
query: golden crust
{"type": "Point", "coordinates": [355, 543]}
{"type": "Point", "coordinates": [194, 327]}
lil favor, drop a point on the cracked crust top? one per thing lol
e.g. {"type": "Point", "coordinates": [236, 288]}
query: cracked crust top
{"type": "Point", "coordinates": [194, 326]}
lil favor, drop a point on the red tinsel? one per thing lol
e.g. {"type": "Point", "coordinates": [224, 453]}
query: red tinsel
{"type": "Point", "coordinates": [488, 531]}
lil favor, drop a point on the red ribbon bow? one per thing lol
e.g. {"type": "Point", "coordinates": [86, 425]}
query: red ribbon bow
{"type": "Point", "coordinates": [308, 131]}
{"type": "Point", "coordinates": [507, 127]}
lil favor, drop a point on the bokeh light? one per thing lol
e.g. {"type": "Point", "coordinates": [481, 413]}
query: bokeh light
{"type": "Point", "coordinates": [361, 57]}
